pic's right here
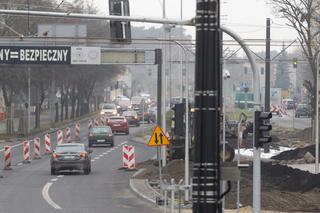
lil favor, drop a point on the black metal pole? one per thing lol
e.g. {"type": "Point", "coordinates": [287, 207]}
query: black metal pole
{"type": "Point", "coordinates": [206, 168]}
{"type": "Point", "coordinates": [159, 84]}
{"type": "Point", "coordinates": [267, 69]}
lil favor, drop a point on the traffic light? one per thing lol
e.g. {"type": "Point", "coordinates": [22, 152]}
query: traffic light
{"type": "Point", "coordinates": [179, 113]}
{"type": "Point", "coordinates": [120, 30]}
{"type": "Point", "coordinates": [295, 62]}
{"type": "Point", "coordinates": [262, 128]}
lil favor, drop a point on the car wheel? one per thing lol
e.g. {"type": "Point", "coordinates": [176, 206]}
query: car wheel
{"type": "Point", "coordinates": [53, 171]}
{"type": "Point", "coordinates": [127, 132]}
{"type": "Point", "coordinates": [86, 171]}
{"type": "Point", "coordinates": [112, 144]}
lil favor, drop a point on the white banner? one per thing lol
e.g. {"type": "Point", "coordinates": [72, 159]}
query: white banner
{"type": "Point", "coordinates": [85, 55]}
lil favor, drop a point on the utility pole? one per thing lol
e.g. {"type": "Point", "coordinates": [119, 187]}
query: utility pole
{"type": "Point", "coordinates": [267, 69]}
{"type": "Point", "coordinates": [208, 82]}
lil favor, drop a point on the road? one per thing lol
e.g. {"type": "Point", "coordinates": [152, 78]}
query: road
{"type": "Point", "coordinates": [30, 188]}
{"type": "Point", "coordinates": [289, 121]}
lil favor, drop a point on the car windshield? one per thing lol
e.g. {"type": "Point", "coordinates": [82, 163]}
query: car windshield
{"type": "Point", "coordinates": [70, 148]}
{"type": "Point", "coordinates": [101, 130]}
{"type": "Point", "coordinates": [129, 113]}
{"type": "Point", "coordinates": [108, 106]}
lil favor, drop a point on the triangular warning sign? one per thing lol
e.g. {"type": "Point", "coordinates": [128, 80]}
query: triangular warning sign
{"type": "Point", "coordinates": [158, 138]}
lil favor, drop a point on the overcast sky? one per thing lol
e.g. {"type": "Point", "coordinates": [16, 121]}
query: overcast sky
{"type": "Point", "coordinates": [245, 17]}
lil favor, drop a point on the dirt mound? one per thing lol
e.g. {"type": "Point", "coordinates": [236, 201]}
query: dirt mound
{"type": "Point", "coordinates": [289, 179]}
{"type": "Point", "coordinates": [295, 154]}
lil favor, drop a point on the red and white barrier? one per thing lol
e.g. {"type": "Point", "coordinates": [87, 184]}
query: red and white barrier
{"type": "Point", "coordinates": [77, 131]}
{"type": "Point", "coordinates": [128, 157]}
{"type": "Point", "coordinates": [96, 122]}
{"type": "Point", "coordinates": [26, 151]}
{"type": "Point", "coordinates": [7, 158]}
{"type": "Point", "coordinates": [68, 135]}
{"type": "Point", "coordinates": [102, 121]}
{"type": "Point", "coordinates": [59, 137]}
{"type": "Point", "coordinates": [47, 142]}
{"type": "Point", "coordinates": [89, 126]}
{"type": "Point", "coordinates": [36, 145]}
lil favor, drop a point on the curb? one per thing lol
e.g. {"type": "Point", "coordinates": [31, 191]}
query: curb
{"type": "Point", "coordinates": [135, 190]}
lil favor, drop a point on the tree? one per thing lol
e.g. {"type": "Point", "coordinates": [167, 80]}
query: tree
{"type": "Point", "coordinates": [302, 15]}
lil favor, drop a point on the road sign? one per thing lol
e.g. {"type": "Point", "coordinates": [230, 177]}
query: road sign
{"type": "Point", "coordinates": [158, 138]}
{"type": "Point", "coordinates": [34, 55]}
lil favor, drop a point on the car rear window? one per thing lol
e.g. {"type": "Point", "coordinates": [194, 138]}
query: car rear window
{"type": "Point", "coordinates": [101, 130]}
{"type": "Point", "coordinates": [70, 148]}
{"type": "Point", "coordinates": [129, 113]}
{"type": "Point", "coordinates": [109, 106]}
{"type": "Point", "coordinates": [116, 119]}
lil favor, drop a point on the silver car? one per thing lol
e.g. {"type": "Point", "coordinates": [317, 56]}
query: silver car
{"type": "Point", "coordinates": [71, 156]}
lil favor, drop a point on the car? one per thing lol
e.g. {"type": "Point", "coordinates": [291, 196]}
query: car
{"type": "Point", "coordinates": [123, 105]}
{"type": "Point", "coordinates": [302, 112]}
{"type": "Point", "coordinates": [101, 135]}
{"type": "Point", "coordinates": [109, 109]}
{"type": "Point", "coordinates": [70, 156]}
{"type": "Point", "coordinates": [132, 117]}
{"type": "Point", "coordinates": [118, 124]}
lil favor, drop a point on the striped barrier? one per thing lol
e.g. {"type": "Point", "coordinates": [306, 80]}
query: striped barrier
{"type": "Point", "coordinates": [59, 137]}
{"type": "Point", "coordinates": [68, 135]}
{"type": "Point", "coordinates": [7, 158]}
{"type": "Point", "coordinates": [128, 157]}
{"type": "Point", "coordinates": [26, 151]}
{"type": "Point", "coordinates": [47, 142]}
{"type": "Point", "coordinates": [89, 126]}
{"type": "Point", "coordinates": [102, 121]}
{"type": "Point", "coordinates": [77, 131]}
{"type": "Point", "coordinates": [36, 145]}
{"type": "Point", "coordinates": [96, 122]}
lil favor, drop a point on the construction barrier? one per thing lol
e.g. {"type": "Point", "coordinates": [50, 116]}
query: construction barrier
{"type": "Point", "coordinates": [26, 151]}
{"type": "Point", "coordinates": [77, 131]}
{"type": "Point", "coordinates": [59, 137]}
{"type": "Point", "coordinates": [68, 135]}
{"type": "Point", "coordinates": [102, 121]}
{"type": "Point", "coordinates": [128, 157]}
{"type": "Point", "coordinates": [89, 126]}
{"type": "Point", "coordinates": [96, 122]}
{"type": "Point", "coordinates": [36, 146]}
{"type": "Point", "coordinates": [7, 158]}
{"type": "Point", "coordinates": [47, 142]}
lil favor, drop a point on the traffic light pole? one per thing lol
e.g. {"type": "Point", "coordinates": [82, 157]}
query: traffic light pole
{"type": "Point", "coordinates": [208, 81]}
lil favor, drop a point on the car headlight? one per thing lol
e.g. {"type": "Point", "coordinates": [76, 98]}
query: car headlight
{"type": "Point", "coordinates": [101, 113]}
{"type": "Point", "coordinates": [114, 113]}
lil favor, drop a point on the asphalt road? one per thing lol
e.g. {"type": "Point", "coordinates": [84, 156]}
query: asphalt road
{"type": "Point", "coordinates": [289, 121]}
{"type": "Point", "coordinates": [29, 188]}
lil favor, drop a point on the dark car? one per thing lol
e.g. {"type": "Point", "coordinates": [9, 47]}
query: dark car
{"type": "Point", "coordinates": [71, 156]}
{"type": "Point", "coordinates": [302, 112]}
{"type": "Point", "coordinates": [132, 117]}
{"type": "Point", "coordinates": [118, 124]}
{"type": "Point", "coordinates": [101, 135]}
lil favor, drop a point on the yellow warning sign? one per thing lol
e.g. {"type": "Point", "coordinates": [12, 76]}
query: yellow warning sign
{"type": "Point", "coordinates": [158, 138]}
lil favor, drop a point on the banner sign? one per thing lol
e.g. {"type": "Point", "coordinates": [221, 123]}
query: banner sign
{"type": "Point", "coordinates": [85, 55]}
{"type": "Point", "coordinates": [35, 55]}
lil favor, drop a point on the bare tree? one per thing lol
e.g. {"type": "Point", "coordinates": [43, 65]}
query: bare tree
{"type": "Point", "coordinates": [303, 16]}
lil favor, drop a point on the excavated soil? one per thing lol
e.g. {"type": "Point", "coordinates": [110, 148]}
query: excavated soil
{"type": "Point", "coordinates": [283, 188]}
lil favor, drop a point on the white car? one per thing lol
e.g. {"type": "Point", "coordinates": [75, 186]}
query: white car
{"type": "Point", "coordinates": [109, 110]}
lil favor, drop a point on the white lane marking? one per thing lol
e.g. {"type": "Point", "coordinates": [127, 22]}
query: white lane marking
{"type": "Point", "coordinates": [19, 164]}
{"type": "Point", "coordinates": [54, 179]}
{"type": "Point", "coordinates": [47, 198]}
{"type": "Point", "coordinates": [100, 156]}
{"type": "Point", "coordinates": [92, 160]}
{"type": "Point", "coordinates": [60, 176]}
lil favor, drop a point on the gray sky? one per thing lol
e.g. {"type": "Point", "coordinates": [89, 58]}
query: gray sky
{"type": "Point", "coordinates": [245, 17]}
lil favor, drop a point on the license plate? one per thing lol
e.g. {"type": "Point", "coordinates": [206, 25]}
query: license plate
{"type": "Point", "coordinates": [116, 125]}
{"type": "Point", "coordinates": [100, 140]}
{"type": "Point", "coordinates": [68, 157]}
